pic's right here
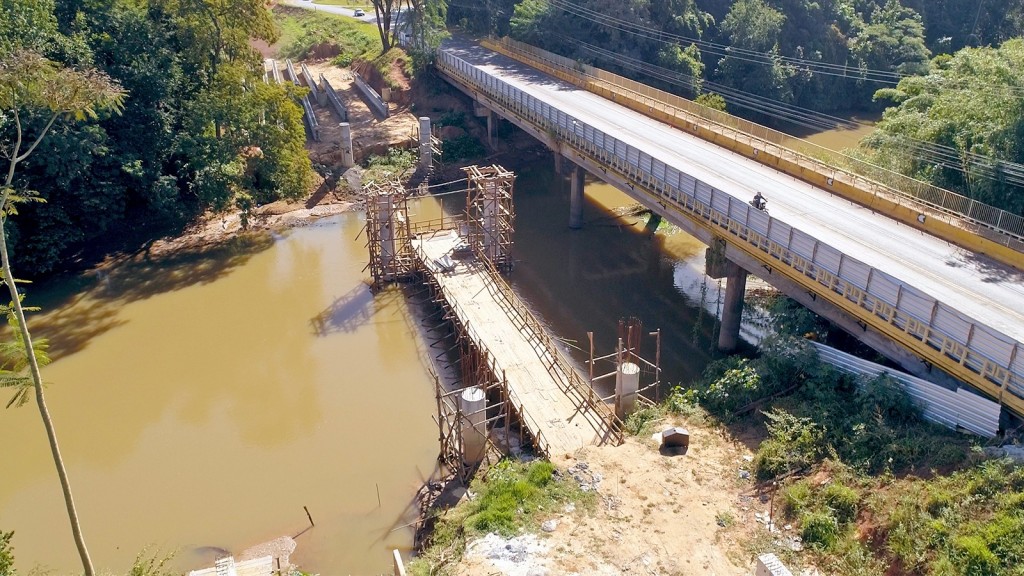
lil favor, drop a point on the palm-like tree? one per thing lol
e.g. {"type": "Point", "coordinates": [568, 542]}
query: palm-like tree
{"type": "Point", "coordinates": [30, 82]}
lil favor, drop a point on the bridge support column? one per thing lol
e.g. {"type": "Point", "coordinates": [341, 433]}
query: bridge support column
{"type": "Point", "coordinates": [576, 198]}
{"type": "Point", "coordinates": [558, 164]}
{"type": "Point", "coordinates": [347, 159]}
{"type": "Point", "coordinates": [426, 153]}
{"type": "Point", "coordinates": [473, 404]}
{"type": "Point", "coordinates": [653, 223]}
{"type": "Point", "coordinates": [732, 309]}
{"type": "Point", "coordinates": [492, 124]}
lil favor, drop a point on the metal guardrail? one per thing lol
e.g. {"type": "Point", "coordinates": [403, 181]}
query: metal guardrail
{"type": "Point", "coordinates": [375, 100]}
{"type": "Point", "coordinates": [275, 73]}
{"type": "Point", "coordinates": [971, 351]}
{"type": "Point", "coordinates": [954, 409]}
{"type": "Point", "coordinates": [957, 209]}
{"type": "Point", "coordinates": [310, 117]}
{"type": "Point", "coordinates": [334, 99]}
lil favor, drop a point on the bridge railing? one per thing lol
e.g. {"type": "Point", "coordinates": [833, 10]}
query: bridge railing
{"type": "Point", "coordinates": [955, 208]}
{"type": "Point", "coordinates": [460, 317]}
{"type": "Point", "coordinates": [569, 379]}
{"type": "Point", "coordinates": [972, 351]}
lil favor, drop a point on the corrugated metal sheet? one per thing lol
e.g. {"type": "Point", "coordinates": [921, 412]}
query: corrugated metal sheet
{"type": "Point", "coordinates": [954, 409]}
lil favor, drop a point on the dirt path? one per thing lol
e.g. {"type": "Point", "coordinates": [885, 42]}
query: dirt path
{"type": "Point", "coordinates": [657, 514]}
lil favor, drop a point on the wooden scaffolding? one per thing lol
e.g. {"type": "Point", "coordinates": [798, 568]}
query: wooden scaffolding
{"type": "Point", "coordinates": [491, 213]}
{"type": "Point", "coordinates": [388, 232]}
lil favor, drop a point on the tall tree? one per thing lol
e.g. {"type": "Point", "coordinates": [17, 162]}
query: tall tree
{"type": "Point", "coordinates": [31, 83]}
{"type": "Point", "coordinates": [962, 126]}
{"type": "Point", "coordinates": [384, 10]}
{"type": "Point", "coordinates": [752, 62]}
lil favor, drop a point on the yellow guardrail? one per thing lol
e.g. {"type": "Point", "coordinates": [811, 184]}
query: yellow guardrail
{"type": "Point", "coordinates": [947, 215]}
{"type": "Point", "coordinates": [937, 347]}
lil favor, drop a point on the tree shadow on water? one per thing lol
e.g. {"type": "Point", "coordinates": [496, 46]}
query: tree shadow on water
{"type": "Point", "coordinates": [75, 310]}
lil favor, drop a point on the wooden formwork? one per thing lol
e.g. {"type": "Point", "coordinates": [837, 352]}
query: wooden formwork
{"type": "Point", "coordinates": [388, 232]}
{"type": "Point", "coordinates": [491, 213]}
{"type": "Point", "coordinates": [474, 369]}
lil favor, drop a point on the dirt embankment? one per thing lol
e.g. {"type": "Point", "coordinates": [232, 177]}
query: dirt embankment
{"type": "Point", "coordinates": [658, 513]}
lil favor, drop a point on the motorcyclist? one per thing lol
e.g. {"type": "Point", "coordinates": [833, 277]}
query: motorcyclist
{"type": "Point", "coordinates": [759, 201]}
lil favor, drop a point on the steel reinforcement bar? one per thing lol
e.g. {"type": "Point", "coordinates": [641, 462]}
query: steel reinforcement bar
{"type": "Point", "coordinates": [954, 217]}
{"type": "Point", "coordinates": [980, 355]}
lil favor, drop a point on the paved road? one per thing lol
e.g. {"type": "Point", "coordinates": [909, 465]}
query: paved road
{"type": "Point", "coordinates": [369, 17]}
{"type": "Point", "coordinates": [979, 287]}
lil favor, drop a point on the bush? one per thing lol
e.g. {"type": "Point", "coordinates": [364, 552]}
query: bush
{"type": "Point", "coordinates": [734, 388]}
{"type": "Point", "coordinates": [641, 422]}
{"type": "Point", "coordinates": [793, 443]}
{"type": "Point", "coordinates": [843, 501]}
{"type": "Point", "coordinates": [819, 529]}
{"type": "Point", "coordinates": [974, 558]}
{"type": "Point", "coordinates": [461, 148]}
{"type": "Point", "coordinates": [796, 497]}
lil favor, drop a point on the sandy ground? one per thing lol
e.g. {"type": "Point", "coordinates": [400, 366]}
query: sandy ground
{"type": "Point", "coordinates": [657, 513]}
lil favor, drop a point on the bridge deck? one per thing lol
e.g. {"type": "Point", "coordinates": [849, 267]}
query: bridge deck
{"type": "Point", "coordinates": [564, 421]}
{"type": "Point", "coordinates": [979, 287]}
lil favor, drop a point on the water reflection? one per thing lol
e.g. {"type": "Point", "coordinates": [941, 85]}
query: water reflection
{"type": "Point", "coordinates": [199, 406]}
{"type": "Point", "coordinates": [586, 280]}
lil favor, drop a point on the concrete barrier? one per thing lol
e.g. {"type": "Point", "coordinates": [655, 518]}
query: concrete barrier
{"type": "Point", "coordinates": [372, 97]}
{"type": "Point", "coordinates": [334, 99]}
{"type": "Point", "coordinates": [310, 118]}
{"type": "Point", "coordinates": [291, 73]}
{"type": "Point", "coordinates": [308, 78]}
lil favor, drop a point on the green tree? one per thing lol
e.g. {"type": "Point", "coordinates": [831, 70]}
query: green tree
{"type": "Point", "coordinates": [426, 26]}
{"type": "Point", "coordinates": [30, 82]}
{"type": "Point", "coordinates": [893, 40]}
{"type": "Point", "coordinates": [753, 62]}
{"type": "Point", "coordinates": [969, 107]}
{"type": "Point", "coordinates": [7, 554]}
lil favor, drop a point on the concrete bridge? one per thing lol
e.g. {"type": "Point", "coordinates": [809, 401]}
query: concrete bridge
{"type": "Point", "coordinates": [929, 279]}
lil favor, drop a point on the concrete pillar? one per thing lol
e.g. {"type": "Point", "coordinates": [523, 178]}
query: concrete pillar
{"type": "Point", "coordinates": [732, 309]}
{"type": "Point", "coordinates": [473, 402]}
{"type": "Point", "coordinates": [492, 124]}
{"type": "Point", "coordinates": [627, 382]}
{"type": "Point", "coordinates": [653, 223]}
{"type": "Point", "coordinates": [385, 213]}
{"type": "Point", "coordinates": [558, 164]}
{"type": "Point", "coordinates": [426, 153]}
{"type": "Point", "coordinates": [347, 158]}
{"type": "Point", "coordinates": [576, 198]}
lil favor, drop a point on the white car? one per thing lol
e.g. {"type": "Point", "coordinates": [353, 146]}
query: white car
{"type": "Point", "coordinates": [359, 12]}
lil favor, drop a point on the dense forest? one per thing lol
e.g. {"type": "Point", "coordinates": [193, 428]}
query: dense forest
{"type": "Point", "coordinates": [948, 70]}
{"type": "Point", "coordinates": [199, 128]}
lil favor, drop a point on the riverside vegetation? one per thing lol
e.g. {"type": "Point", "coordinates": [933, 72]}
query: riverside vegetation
{"type": "Point", "coordinates": [867, 483]}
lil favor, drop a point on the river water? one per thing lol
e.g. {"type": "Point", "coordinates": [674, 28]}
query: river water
{"type": "Point", "coordinates": [203, 400]}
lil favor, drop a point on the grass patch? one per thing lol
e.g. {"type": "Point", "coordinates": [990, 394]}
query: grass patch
{"type": "Point", "coordinates": [394, 164]}
{"type": "Point", "coordinates": [301, 30]}
{"type": "Point", "coordinates": [513, 497]}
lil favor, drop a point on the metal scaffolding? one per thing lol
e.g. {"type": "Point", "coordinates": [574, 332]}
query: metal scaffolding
{"type": "Point", "coordinates": [491, 213]}
{"type": "Point", "coordinates": [388, 232]}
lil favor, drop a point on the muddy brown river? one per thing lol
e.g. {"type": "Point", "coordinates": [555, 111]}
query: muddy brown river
{"type": "Point", "coordinates": [203, 401]}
